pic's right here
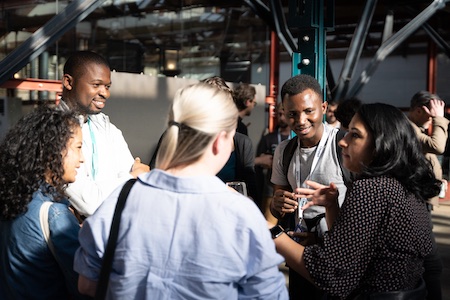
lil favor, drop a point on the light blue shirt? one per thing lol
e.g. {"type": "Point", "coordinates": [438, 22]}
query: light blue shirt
{"type": "Point", "coordinates": [183, 238]}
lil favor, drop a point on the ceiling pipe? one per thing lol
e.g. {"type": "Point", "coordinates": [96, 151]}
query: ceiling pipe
{"type": "Point", "coordinates": [432, 67]}
{"type": "Point", "coordinates": [354, 51]}
{"type": "Point", "coordinates": [37, 43]}
{"type": "Point", "coordinates": [393, 42]}
{"type": "Point", "coordinates": [274, 79]}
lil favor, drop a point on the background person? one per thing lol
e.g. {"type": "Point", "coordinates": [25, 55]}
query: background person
{"type": "Point", "coordinates": [38, 157]}
{"type": "Point", "coordinates": [427, 110]}
{"type": "Point", "coordinates": [346, 110]}
{"type": "Point", "coordinates": [330, 117]}
{"type": "Point", "coordinates": [108, 161]}
{"type": "Point", "coordinates": [244, 96]}
{"type": "Point", "coordinates": [264, 159]}
{"type": "Point", "coordinates": [378, 239]}
{"type": "Point", "coordinates": [203, 240]}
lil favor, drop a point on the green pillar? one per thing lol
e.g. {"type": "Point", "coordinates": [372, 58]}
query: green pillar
{"type": "Point", "coordinates": [308, 16]}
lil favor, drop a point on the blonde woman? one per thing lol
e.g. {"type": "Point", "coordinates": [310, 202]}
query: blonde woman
{"type": "Point", "coordinates": [184, 234]}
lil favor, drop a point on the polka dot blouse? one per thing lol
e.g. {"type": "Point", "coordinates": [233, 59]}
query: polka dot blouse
{"type": "Point", "coordinates": [377, 243]}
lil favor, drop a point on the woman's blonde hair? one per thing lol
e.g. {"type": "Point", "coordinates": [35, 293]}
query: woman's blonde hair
{"type": "Point", "coordinates": [198, 113]}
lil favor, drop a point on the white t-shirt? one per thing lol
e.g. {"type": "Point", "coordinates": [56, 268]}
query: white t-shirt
{"type": "Point", "coordinates": [327, 169]}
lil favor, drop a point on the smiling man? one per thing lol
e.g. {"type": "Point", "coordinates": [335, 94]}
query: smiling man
{"type": "Point", "coordinates": [108, 161]}
{"type": "Point", "coordinates": [314, 156]}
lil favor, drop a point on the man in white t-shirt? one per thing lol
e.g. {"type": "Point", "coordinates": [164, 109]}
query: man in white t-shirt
{"type": "Point", "coordinates": [315, 157]}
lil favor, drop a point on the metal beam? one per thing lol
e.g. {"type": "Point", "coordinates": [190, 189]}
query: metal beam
{"type": "Point", "coordinates": [33, 84]}
{"type": "Point", "coordinates": [275, 19]}
{"type": "Point", "coordinates": [434, 35]}
{"type": "Point", "coordinates": [75, 12]}
{"type": "Point", "coordinates": [284, 34]}
{"type": "Point", "coordinates": [437, 38]}
{"type": "Point", "coordinates": [309, 17]}
{"type": "Point", "coordinates": [354, 50]}
{"type": "Point", "coordinates": [391, 43]}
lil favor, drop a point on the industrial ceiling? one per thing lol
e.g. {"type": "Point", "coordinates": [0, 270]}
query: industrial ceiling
{"type": "Point", "coordinates": [206, 31]}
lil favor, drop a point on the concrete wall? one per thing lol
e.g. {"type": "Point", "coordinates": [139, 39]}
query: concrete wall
{"type": "Point", "coordinates": [395, 80]}
{"type": "Point", "coordinates": [139, 104]}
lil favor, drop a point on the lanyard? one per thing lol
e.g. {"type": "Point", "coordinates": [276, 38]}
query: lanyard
{"type": "Point", "coordinates": [317, 156]}
{"type": "Point", "coordinates": [94, 164]}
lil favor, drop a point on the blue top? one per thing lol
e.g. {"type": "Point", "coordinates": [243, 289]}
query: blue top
{"type": "Point", "coordinates": [28, 268]}
{"type": "Point", "coordinates": [184, 238]}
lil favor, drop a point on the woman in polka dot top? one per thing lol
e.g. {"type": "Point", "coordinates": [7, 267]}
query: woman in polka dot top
{"type": "Point", "coordinates": [381, 234]}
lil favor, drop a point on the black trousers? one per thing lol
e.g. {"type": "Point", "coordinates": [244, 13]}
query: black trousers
{"type": "Point", "coordinates": [300, 288]}
{"type": "Point", "coordinates": [433, 271]}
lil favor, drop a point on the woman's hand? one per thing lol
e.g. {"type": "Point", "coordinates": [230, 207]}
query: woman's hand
{"type": "Point", "coordinates": [318, 194]}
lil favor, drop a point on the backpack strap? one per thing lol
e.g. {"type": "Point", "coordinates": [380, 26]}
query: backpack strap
{"type": "Point", "coordinates": [288, 153]}
{"type": "Point", "coordinates": [43, 220]}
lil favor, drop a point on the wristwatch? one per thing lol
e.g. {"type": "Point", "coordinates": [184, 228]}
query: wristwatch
{"type": "Point", "coordinates": [276, 231]}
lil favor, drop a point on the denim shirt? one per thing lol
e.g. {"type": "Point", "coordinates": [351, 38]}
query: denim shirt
{"type": "Point", "coordinates": [28, 268]}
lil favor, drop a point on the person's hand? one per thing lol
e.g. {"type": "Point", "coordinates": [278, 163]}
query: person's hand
{"type": "Point", "coordinates": [264, 160]}
{"type": "Point", "coordinates": [284, 202]}
{"type": "Point", "coordinates": [303, 238]}
{"type": "Point", "coordinates": [138, 168]}
{"type": "Point", "coordinates": [436, 108]}
{"type": "Point", "coordinates": [318, 194]}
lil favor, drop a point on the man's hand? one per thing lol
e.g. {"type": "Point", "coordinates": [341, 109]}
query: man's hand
{"type": "Point", "coordinates": [436, 108]}
{"type": "Point", "coordinates": [284, 202]}
{"type": "Point", "coordinates": [138, 168]}
{"type": "Point", "coordinates": [264, 160]}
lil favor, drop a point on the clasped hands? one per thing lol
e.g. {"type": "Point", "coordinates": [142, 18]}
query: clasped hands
{"type": "Point", "coordinates": [318, 194]}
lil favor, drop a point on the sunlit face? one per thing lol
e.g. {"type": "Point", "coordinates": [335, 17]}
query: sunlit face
{"type": "Point", "coordinates": [72, 156]}
{"type": "Point", "coordinates": [304, 114]}
{"type": "Point", "coordinates": [357, 146]}
{"type": "Point", "coordinates": [91, 89]}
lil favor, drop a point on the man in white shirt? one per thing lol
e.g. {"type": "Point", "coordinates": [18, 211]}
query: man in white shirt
{"type": "Point", "coordinates": [108, 161]}
{"type": "Point", "coordinates": [315, 158]}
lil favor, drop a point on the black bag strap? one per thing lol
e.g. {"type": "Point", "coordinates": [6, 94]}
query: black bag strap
{"type": "Point", "coordinates": [108, 256]}
{"type": "Point", "coordinates": [289, 151]}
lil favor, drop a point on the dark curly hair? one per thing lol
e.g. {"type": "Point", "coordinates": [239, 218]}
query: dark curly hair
{"type": "Point", "coordinates": [397, 150]}
{"type": "Point", "coordinates": [30, 150]}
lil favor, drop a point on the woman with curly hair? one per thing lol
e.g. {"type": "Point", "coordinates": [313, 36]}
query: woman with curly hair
{"type": "Point", "coordinates": [38, 158]}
